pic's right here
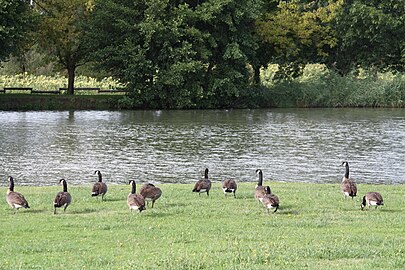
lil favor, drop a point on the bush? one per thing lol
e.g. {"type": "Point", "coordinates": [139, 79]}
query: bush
{"type": "Point", "coordinates": [320, 87]}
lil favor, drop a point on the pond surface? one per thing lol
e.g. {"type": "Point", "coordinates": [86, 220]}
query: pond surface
{"type": "Point", "coordinates": [39, 148]}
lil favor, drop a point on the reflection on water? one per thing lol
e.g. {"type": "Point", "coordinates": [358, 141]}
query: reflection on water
{"type": "Point", "coordinates": [39, 148]}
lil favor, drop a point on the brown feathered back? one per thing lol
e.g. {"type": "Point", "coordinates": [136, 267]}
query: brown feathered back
{"type": "Point", "coordinates": [150, 192]}
{"type": "Point", "coordinates": [14, 199]}
{"type": "Point", "coordinates": [348, 186]}
{"type": "Point", "coordinates": [270, 201]}
{"type": "Point", "coordinates": [261, 190]}
{"type": "Point", "coordinates": [135, 201]}
{"type": "Point", "coordinates": [203, 185]}
{"type": "Point", "coordinates": [62, 198]}
{"type": "Point", "coordinates": [229, 186]}
{"type": "Point", "coordinates": [372, 199]}
{"type": "Point", "coordinates": [99, 188]}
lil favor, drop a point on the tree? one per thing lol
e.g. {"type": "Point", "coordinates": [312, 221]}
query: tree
{"type": "Point", "coordinates": [233, 45]}
{"type": "Point", "coordinates": [371, 34]}
{"type": "Point", "coordinates": [173, 53]}
{"type": "Point", "coordinates": [300, 31]}
{"type": "Point", "coordinates": [16, 19]}
{"type": "Point", "coordinates": [61, 32]}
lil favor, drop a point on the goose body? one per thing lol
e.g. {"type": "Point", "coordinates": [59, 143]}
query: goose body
{"type": "Point", "coordinates": [14, 199]}
{"type": "Point", "coordinates": [150, 193]}
{"type": "Point", "coordinates": [135, 201]}
{"type": "Point", "coordinates": [229, 186]}
{"type": "Point", "coordinates": [203, 185]}
{"type": "Point", "coordinates": [372, 199]}
{"type": "Point", "coordinates": [348, 186]}
{"type": "Point", "coordinates": [99, 188]}
{"type": "Point", "coordinates": [270, 201]}
{"type": "Point", "coordinates": [260, 190]}
{"type": "Point", "coordinates": [63, 198]}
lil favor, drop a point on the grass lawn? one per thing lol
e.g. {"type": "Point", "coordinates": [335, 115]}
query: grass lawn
{"type": "Point", "coordinates": [315, 228]}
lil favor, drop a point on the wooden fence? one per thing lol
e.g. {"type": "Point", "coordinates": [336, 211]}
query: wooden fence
{"type": "Point", "coordinates": [29, 90]}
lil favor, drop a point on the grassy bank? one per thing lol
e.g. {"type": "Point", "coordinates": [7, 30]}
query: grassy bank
{"type": "Point", "coordinates": [320, 87]}
{"type": "Point", "coordinates": [317, 86]}
{"type": "Point", "coordinates": [60, 102]}
{"type": "Point", "coordinates": [314, 228]}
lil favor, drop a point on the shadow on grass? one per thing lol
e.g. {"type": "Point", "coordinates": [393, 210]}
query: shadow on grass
{"type": "Point", "coordinates": [27, 211]}
{"type": "Point", "coordinates": [170, 205]}
{"type": "Point", "coordinates": [109, 200]}
{"type": "Point", "coordinates": [287, 210]}
{"type": "Point", "coordinates": [37, 211]}
{"type": "Point", "coordinates": [159, 214]}
{"type": "Point", "coordinates": [82, 211]}
{"type": "Point", "coordinates": [387, 210]}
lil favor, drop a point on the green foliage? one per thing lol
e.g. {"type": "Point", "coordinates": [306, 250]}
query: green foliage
{"type": "Point", "coordinates": [299, 31]}
{"type": "Point", "coordinates": [61, 32]}
{"type": "Point", "coordinates": [16, 19]}
{"type": "Point", "coordinates": [31, 60]}
{"type": "Point", "coordinates": [187, 231]}
{"type": "Point", "coordinates": [176, 54]}
{"type": "Point", "coordinates": [321, 87]}
{"type": "Point", "coordinates": [371, 35]}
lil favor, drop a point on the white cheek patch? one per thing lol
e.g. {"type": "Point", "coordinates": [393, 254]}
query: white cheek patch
{"type": "Point", "coordinates": [347, 193]}
{"type": "Point", "coordinates": [17, 206]}
{"type": "Point", "coordinates": [203, 190]}
{"type": "Point", "coordinates": [134, 207]}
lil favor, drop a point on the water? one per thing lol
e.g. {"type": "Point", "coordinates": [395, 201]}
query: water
{"type": "Point", "coordinates": [39, 148]}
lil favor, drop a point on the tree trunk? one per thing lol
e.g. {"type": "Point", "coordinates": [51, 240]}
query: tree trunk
{"type": "Point", "coordinates": [256, 75]}
{"type": "Point", "coordinates": [71, 79]}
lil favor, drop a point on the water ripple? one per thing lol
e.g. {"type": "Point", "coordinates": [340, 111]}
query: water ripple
{"type": "Point", "coordinates": [39, 148]}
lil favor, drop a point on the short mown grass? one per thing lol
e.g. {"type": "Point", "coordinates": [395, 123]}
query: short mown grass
{"type": "Point", "coordinates": [315, 227]}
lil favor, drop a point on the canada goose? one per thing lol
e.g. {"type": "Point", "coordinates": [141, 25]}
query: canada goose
{"type": "Point", "coordinates": [229, 186]}
{"type": "Point", "coordinates": [63, 198]}
{"type": "Point", "coordinates": [372, 198]}
{"type": "Point", "coordinates": [150, 193]}
{"type": "Point", "coordinates": [14, 199]}
{"type": "Point", "coordinates": [99, 188]}
{"type": "Point", "coordinates": [260, 190]}
{"type": "Point", "coordinates": [135, 201]}
{"type": "Point", "coordinates": [270, 200]}
{"type": "Point", "coordinates": [348, 186]}
{"type": "Point", "coordinates": [203, 185]}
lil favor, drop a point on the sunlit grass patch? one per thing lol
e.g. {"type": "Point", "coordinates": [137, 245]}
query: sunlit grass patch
{"type": "Point", "coordinates": [315, 227]}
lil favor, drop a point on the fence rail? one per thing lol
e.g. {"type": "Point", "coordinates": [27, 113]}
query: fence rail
{"type": "Point", "coordinates": [29, 90]}
{"type": "Point", "coordinates": [11, 89]}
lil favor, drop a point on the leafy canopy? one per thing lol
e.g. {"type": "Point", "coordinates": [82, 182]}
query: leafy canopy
{"type": "Point", "coordinates": [176, 54]}
{"type": "Point", "coordinates": [16, 20]}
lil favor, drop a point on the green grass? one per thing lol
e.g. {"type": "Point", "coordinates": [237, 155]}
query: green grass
{"type": "Point", "coordinates": [320, 87]}
{"type": "Point", "coordinates": [315, 227]}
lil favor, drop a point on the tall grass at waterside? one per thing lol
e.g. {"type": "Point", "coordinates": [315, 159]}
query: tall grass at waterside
{"type": "Point", "coordinates": [320, 87]}
{"type": "Point", "coordinates": [41, 82]}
